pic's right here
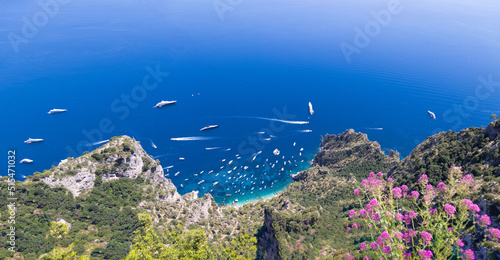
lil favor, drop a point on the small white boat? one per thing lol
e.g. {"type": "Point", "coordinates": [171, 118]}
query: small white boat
{"type": "Point", "coordinates": [209, 127]}
{"type": "Point", "coordinates": [200, 182]}
{"type": "Point", "coordinates": [165, 103]}
{"type": "Point", "coordinates": [432, 115]}
{"type": "Point", "coordinates": [177, 173]}
{"type": "Point", "coordinates": [32, 140]}
{"type": "Point", "coordinates": [182, 158]}
{"type": "Point", "coordinates": [311, 110]}
{"type": "Point", "coordinates": [56, 110]}
{"type": "Point", "coordinates": [26, 161]}
{"type": "Point", "coordinates": [276, 152]}
{"type": "Point", "coordinates": [215, 183]}
{"type": "Point", "coordinates": [153, 145]}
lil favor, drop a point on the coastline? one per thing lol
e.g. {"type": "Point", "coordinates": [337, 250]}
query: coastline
{"type": "Point", "coordinates": [269, 196]}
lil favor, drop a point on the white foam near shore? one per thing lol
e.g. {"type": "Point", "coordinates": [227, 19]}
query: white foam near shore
{"type": "Point", "coordinates": [242, 201]}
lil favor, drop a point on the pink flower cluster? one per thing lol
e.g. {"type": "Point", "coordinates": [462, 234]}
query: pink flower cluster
{"type": "Point", "coordinates": [425, 254]}
{"type": "Point", "coordinates": [494, 234]}
{"type": "Point", "coordinates": [426, 236]}
{"type": "Point", "coordinates": [484, 221]}
{"type": "Point", "coordinates": [469, 255]}
{"type": "Point", "coordinates": [450, 210]}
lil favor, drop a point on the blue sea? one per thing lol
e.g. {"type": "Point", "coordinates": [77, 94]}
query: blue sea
{"type": "Point", "coordinates": [250, 67]}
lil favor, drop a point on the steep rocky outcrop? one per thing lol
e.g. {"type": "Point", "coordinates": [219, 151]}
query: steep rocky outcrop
{"type": "Point", "coordinates": [267, 243]}
{"type": "Point", "coordinates": [476, 150]}
{"type": "Point", "coordinates": [352, 152]}
{"type": "Point", "coordinates": [121, 157]}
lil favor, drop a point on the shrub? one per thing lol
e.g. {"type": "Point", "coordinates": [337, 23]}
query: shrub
{"type": "Point", "coordinates": [98, 157]}
{"type": "Point", "coordinates": [419, 225]}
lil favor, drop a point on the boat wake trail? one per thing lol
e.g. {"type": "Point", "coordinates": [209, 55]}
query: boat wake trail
{"type": "Point", "coordinates": [193, 138]}
{"type": "Point", "coordinates": [374, 128]}
{"type": "Point", "coordinates": [213, 148]}
{"type": "Point", "coordinates": [305, 131]}
{"type": "Point", "coordinates": [100, 142]}
{"type": "Point", "coordinates": [278, 120]}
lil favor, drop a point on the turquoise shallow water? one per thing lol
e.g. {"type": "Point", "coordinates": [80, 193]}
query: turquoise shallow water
{"type": "Point", "coordinates": [264, 61]}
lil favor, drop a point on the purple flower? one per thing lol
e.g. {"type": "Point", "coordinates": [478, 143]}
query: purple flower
{"type": "Point", "coordinates": [426, 236]}
{"type": "Point", "coordinates": [460, 243]}
{"type": "Point", "coordinates": [398, 235]}
{"type": "Point", "coordinates": [380, 174]}
{"type": "Point", "coordinates": [494, 234]}
{"type": "Point", "coordinates": [414, 195]}
{"type": "Point", "coordinates": [387, 250]}
{"type": "Point", "coordinates": [355, 226]}
{"type": "Point", "coordinates": [450, 210]}
{"type": "Point", "coordinates": [363, 246]}
{"type": "Point", "coordinates": [374, 245]}
{"type": "Point", "coordinates": [399, 216]}
{"type": "Point", "coordinates": [385, 235]}
{"type": "Point", "coordinates": [397, 192]}
{"type": "Point", "coordinates": [364, 183]}
{"type": "Point", "coordinates": [352, 214]}
{"type": "Point", "coordinates": [376, 217]}
{"type": "Point", "coordinates": [423, 179]}
{"type": "Point", "coordinates": [356, 192]}
{"type": "Point", "coordinates": [407, 256]}
{"type": "Point", "coordinates": [351, 257]}
{"type": "Point", "coordinates": [484, 221]}
{"type": "Point", "coordinates": [413, 214]}
{"type": "Point", "coordinates": [468, 180]}
{"type": "Point", "coordinates": [362, 213]}
{"type": "Point", "coordinates": [469, 255]}
{"type": "Point", "coordinates": [474, 208]}
{"type": "Point", "coordinates": [433, 211]}
{"type": "Point", "coordinates": [390, 179]}
{"type": "Point", "coordinates": [442, 187]}
{"type": "Point", "coordinates": [404, 188]}
{"type": "Point", "coordinates": [466, 203]}
{"type": "Point", "coordinates": [407, 219]}
{"type": "Point", "coordinates": [367, 258]}
{"type": "Point", "coordinates": [425, 254]}
{"type": "Point", "coordinates": [407, 238]}
{"type": "Point", "coordinates": [374, 202]}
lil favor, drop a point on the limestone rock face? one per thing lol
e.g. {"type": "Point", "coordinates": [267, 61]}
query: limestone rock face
{"type": "Point", "coordinates": [121, 157]}
{"type": "Point", "coordinates": [82, 181]}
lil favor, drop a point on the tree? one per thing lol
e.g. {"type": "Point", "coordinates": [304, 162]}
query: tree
{"type": "Point", "coordinates": [150, 245]}
{"type": "Point", "coordinates": [62, 254]}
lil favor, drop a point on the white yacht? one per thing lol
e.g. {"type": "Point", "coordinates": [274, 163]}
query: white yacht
{"type": "Point", "coordinates": [32, 140]}
{"type": "Point", "coordinates": [209, 127]}
{"type": "Point", "coordinates": [432, 115]}
{"type": "Point", "coordinates": [56, 110]}
{"type": "Point", "coordinates": [276, 152]}
{"type": "Point", "coordinates": [26, 161]}
{"type": "Point", "coordinates": [165, 103]}
{"type": "Point", "coordinates": [311, 110]}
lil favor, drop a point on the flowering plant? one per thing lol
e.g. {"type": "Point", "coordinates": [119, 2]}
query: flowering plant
{"type": "Point", "coordinates": [422, 224]}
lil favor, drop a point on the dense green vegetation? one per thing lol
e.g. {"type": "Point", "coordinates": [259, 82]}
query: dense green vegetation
{"type": "Point", "coordinates": [106, 214]}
